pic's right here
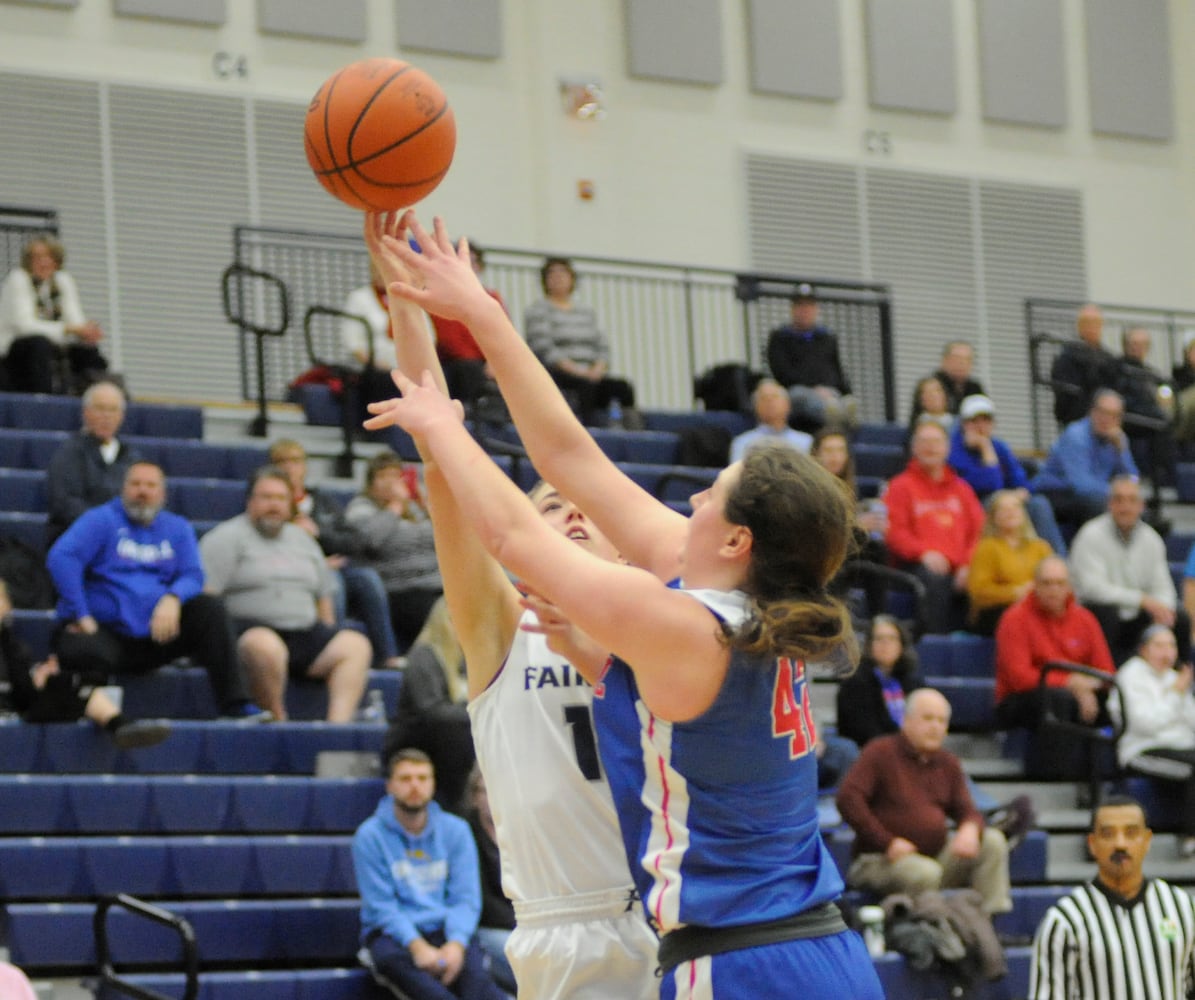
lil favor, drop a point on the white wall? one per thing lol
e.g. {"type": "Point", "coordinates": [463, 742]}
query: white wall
{"type": "Point", "coordinates": [667, 162]}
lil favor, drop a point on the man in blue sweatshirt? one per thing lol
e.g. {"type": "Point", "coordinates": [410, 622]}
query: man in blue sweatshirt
{"type": "Point", "coordinates": [131, 599]}
{"type": "Point", "coordinates": [420, 887]}
{"type": "Point", "coordinates": [988, 464]}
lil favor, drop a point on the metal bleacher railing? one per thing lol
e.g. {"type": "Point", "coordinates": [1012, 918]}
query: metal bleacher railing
{"type": "Point", "coordinates": [666, 323]}
{"type": "Point", "coordinates": [1050, 323]}
{"type": "Point", "coordinates": [16, 226]}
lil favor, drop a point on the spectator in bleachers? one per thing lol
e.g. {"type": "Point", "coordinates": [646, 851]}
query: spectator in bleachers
{"type": "Point", "coordinates": [89, 468]}
{"type": "Point", "coordinates": [419, 881]}
{"type": "Point", "coordinates": [958, 360]}
{"type": "Point", "coordinates": [1003, 562]}
{"type": "Point", "coordinates": [278, 591]}
{"type": "Point", "coordinates": [42, 321]}
{"type": "Point", "coordinates": [772, 406]}
{"type": "Point", "coordinates": [565, 336]}
{"type": "Point", "coordinates": [871, 701]}
{"type": "Point", "coordinates": [803, 357]}
{"type": "Point", "coordinates": [431, 713]}
{"type": "Point", "coordinates": [1158, 716]}
{"type": "Point", "coordinates": [359, 587]}
{"type": "Point", "coordinates": [1184, 385]}
{"type": "Point", "coordinates": [393, 522]}
{"type": "Point", "coordinates": [1109, 936]}
{"type": "Point", "coordinates": [1081, 368]}
{"type": "Point", "coordinates": [497, 912]}
{"type": "Point", "coordinates": [931, 402]}
{"type": "Point", "coordinates": [1120, 573]}
{"type": "Point", "coordinates": [131, 598]}
{"type": "Point", "coordinates": [1148, 397]}
{"type": "Point", "coordinates": [461, 359]}
{"type": "Point", "coordinates": [1083, 460]}
{"type": "Point", "coordinates": [934, 522]}
{"type": "Point", "coordinates": [832, 451]}
{"type": "Point", "coordinates": [1048, 624]}
{"type": "Point", "coordinates": [898, 798]}
{"type": "Point", "coordinates": [42, 692]}
{"type": "Point", "coordinates": [988, 464]}
{"type": "Point", "coordinates": [373, 351]}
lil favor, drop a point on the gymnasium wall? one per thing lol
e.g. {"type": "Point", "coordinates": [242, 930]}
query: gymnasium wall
{"type": "Point", "coordinates": [154, 135]}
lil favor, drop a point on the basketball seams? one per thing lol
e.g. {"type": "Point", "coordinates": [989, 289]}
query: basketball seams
{"type": "Point", "coordinates": [342, 173]}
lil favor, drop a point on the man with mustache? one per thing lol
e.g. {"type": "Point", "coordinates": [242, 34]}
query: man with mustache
{"type": "Point", "coordinates": [1122, 935]}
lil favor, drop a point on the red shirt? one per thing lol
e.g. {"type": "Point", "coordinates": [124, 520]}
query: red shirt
{"type": "Point", "coordinates": [924, 514]}
{"type": "Point", "coordinates": [454, 342]}
{"type": "Point", "coordinates": [893, 791]}
{"type": "Point", "coordinates": [1027, 637]}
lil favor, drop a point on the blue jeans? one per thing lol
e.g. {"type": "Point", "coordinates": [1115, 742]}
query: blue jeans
{"type": "Point", "coordinates": [1041, 514]}
{"type": "Point", "coordinates": [493, 943]}
{"type": "Point", "coordinates": [362, 591]}
{"type": "Point", "coordinates": [394, 962]}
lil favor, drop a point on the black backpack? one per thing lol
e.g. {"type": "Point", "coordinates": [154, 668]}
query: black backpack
{"type": "Point", "coordinates": [29, 584]}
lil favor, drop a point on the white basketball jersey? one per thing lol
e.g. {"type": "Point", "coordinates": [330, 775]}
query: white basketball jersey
{"type": "Point", "coordinates": [533, 732]}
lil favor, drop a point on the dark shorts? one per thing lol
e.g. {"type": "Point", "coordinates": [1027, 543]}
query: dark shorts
{"type": "Point", "coordinates": [303, 645]}
{"type": "Point", "coordinates": [63, 699]}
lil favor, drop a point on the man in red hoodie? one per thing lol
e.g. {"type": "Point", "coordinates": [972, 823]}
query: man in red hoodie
{"type": "Point", "coordinates": [1048, 624]}
{"type": "Point", "coordinates": [934, 520]}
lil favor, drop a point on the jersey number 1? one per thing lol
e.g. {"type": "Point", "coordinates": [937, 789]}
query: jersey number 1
{"type": "Point", "coordinates": [791, 713]}
{"type": "Point", "coordinates": [580, 723]}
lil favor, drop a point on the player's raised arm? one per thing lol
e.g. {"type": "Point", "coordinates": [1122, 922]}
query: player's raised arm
{"type": "Point", "coordinates": [646, 532]}
{"type": "Point", "coordinates": [482, 601]}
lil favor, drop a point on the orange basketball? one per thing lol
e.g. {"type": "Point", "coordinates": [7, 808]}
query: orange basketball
{"type": "Point", "coordinates": [380, 134]}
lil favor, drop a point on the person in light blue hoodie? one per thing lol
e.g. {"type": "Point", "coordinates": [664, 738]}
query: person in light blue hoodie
{"type": "Point", "coordinates": [420, 886]}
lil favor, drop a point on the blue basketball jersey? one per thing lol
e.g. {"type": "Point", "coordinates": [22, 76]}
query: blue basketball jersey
{"type": "Point", "coordinates": [719, 814]}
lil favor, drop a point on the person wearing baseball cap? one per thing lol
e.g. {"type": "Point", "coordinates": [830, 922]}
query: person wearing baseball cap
{"type": "Point", "coordinates": [988, 464]}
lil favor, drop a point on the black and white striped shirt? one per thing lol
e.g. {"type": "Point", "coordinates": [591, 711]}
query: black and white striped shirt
{"type": "Point", "coordinates": [1092, 945]}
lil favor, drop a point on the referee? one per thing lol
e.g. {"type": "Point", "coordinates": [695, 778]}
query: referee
{"type": "Point", "coordinates": [1121, 936]}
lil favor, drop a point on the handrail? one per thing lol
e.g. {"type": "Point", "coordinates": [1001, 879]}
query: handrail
{"type": "Point", "coordinates": [107, 972]}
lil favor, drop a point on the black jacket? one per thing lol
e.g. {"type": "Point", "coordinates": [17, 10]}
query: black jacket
{"type": "Point", "coordinates": [862, 713]}
{"type": "Point", "coordinates": [78, 479]}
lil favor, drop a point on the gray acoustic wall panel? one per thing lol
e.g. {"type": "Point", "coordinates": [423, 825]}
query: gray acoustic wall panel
{"type": "Point", "coordinates": [458, 27]}
{"type": "Point", "coordinates": [796, 48]}
{"type": "Point", "coordinates": [1128, 68]}
{"type": "Point", "coordinates": [910, 55]}
{"type": "Point", "coordinates": [343, 21]}
{"type": "Point", "coordinates": [189, 11]}
{"type": "Point", "coordinates": [1022, 61]}
{"type": "Point", "coordinates": [675, 40]}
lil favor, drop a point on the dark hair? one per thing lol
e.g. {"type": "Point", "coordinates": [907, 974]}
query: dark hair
{"type": "Point", "coordinates": [556, 262]}
{"type": "Point", "coordinates": [145, 461]}
{"type": "Point", "coordinates": [1113, 802]}
{"type": "Point", "coordinates": [801, 520]}
{"type": "Point", "coordinates": [52, 244]}
{"type": "Point", "coordinates": [382, 460]}
{"type": "Point", "coordinates": [271, 472]}
{"type": "Point", "coordinates": [407, 755]}
{"type": "Point", "coordinates": [477, 251]}
{"type": "Point", "coordinates": [907, 665]}
{"type": "Point", "coordinates": [848, 471]}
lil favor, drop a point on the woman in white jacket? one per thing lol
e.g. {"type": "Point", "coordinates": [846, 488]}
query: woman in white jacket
{"type": "Point", "coordinates": [1159, 720]}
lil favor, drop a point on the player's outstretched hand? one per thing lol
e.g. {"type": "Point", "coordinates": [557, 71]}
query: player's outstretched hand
{"type": "Point", "coordinates": [387, 224]}
{"type": "Point", "coordinates": [442, 278]}
{"type": "Point", "coordinates": [563, 637]}
{"type": "Point", "coordinates": [418, 410]}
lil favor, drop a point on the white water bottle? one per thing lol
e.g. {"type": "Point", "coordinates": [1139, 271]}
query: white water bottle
{"type": "Point", "coordinates": [374, 709]}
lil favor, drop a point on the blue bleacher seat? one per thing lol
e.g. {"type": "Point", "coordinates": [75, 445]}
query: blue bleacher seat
{"type": "Point", "coordinates": [12, 449]}
{"type": "Point", "coordinates": [35, 629]}
{"type": "Point", "coordinates": [33, 804]}
{"type": "Point", "coordinates": [972, 701]}
{"type": "Point", "coordinates": [40, 447]}
{"type": "Point", "coordinates": [678, 421]}
{"type": "Point", "coordinates": [881, 433]}
{"type": "Point", "coordinates": [1185, 481]}
{"type": "Point", "coordinates": [36, 412]}
{"type": "Point", "coordinates": [24, 526]}
{"type": "Point", "coordinates": [192, 803]}
{"type": "Point", "coordinates": [881, 460]}
{"type": "Point", "coordinates": [320, 405]}
{"type": "Point", "coordinates": [205, 499]}
{"type": "Point", "coordinates": [163, 421]}
{"type": "Point", "coordinates": [271, 803]}
{"type": "Point", "coordinates": [20, 745]}
{"type": "Point", "coordinates": [23, 490]}
{"type": "Point", "coordinates": [296, 984]}
{"type": "Point", "coordinates": [1178, 546]}
{"type": "Point", "coordinates": [109, 803]}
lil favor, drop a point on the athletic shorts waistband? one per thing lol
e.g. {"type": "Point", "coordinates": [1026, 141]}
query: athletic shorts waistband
{"type": "Point", "coordinates": [581, 906]}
